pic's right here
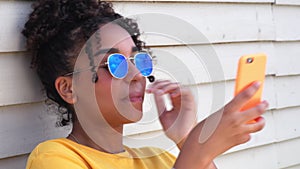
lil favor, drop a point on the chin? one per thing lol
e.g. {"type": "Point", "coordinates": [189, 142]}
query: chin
{"type": "Point", "coordinates": [136, 114]}
{"type": "Point", "coordinates": [132, 112]}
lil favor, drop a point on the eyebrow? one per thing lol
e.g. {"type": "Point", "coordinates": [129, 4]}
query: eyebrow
{"type": "Point", "coordinates": [114, 50]}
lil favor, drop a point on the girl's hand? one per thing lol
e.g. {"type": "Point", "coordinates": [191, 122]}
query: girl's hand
{"type": "Point", "coordinates": [178, 122]}
{"type": "Point", "coordinates": [222, 130]}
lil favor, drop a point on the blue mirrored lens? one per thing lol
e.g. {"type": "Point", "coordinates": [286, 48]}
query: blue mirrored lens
{"type": "Point", "coordinates": [117, 65]}
{"type": "Point", "coordinates": [143, 62]}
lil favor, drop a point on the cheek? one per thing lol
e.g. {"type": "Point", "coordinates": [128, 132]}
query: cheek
{"type": "Point", "coordinates": [106, 91]}
{"type": "Point", "coordinates": [103, 85]}
{"type": "Point", "coordinates": [144, 82]}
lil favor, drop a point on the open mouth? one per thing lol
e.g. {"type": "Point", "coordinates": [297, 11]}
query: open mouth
{"type": "Point", "coordinates": [136, 93]}
{"type": "Point", "coordinates": [136, 99]}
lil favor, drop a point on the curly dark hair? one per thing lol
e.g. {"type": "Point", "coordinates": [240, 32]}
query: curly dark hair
{"type": "Point", "coordinates": [57, 30]}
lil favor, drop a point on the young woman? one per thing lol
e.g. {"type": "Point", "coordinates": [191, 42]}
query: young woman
{"type": "Point", "coordinates": [92, 64]}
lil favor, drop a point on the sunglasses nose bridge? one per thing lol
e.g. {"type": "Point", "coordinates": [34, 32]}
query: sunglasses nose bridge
{"type": "Point", "coordinates": [133, 72]}
{"type": "Point", "coordinates": [132, 67]}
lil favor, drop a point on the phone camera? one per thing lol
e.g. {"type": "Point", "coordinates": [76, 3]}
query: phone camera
{"type": "Point", "coordinates": [249, 60]}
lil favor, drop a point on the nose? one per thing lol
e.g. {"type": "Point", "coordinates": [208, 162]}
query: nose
{"type": "Point", "coordinates": [133, 73]}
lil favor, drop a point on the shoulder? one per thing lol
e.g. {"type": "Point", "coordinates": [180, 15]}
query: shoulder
{"type": "Point", "coordinates": [53, 154]}
{"type": "Point", "coordinates": [56, 146]}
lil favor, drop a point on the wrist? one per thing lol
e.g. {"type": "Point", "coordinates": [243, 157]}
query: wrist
{"type": "Point", "coordinates": [180, 138]}
{"type": "Point", "coordinates": [181, 142]}
{"type": "Point", "coordinates": [195, 155]}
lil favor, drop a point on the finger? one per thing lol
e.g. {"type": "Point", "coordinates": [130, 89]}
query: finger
{"type": "Point", "coordinates": [242, 98]}
{"type": "Point", "coordinates": [165, 87]}
{"type": "Point", "coordinates": [160, 84]}
{"type": "Point", "coordinates": [254, 112]}
{"type": "Point", "coordinates": [170, 88]}
{"type": "Point", "coordinates": [155, 85]}
{"type": "Point", "coordinates": [158, 88]}
{"type": "Point", "coordinates": [160, 103]}
{"type": "Point", "coordinates": [255, 127]}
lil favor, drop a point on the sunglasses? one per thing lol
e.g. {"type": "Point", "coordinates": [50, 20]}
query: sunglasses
{"type": "Point", "coordinates": [118, 64]}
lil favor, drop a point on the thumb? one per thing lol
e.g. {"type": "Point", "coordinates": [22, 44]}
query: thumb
{"type": "Point", "coordinates": [243, 97]}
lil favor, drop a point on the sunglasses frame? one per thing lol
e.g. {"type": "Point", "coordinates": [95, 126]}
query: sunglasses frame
{"type": "Point", "coordinates": [103, 65]}
{"type": "Point", "coordinates": [126, 59]}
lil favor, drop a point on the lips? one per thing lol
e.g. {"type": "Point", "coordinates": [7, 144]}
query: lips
{"type": "Point", "coordinates": [136, 92]}
{"type": "Point", "coordinates": [136, 97]}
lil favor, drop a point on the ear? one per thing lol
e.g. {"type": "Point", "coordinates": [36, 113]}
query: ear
{"type": "Point", "coordinates": [64, 88]}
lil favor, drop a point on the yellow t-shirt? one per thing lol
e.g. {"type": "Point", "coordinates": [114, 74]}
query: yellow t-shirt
{"type": "Point", "coordinates": [63, 153]}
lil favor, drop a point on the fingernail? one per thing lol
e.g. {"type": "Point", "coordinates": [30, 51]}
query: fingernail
{"type": "Point", "coordinates": [266, 104]}
{"type": "Point", "coordinates": [257, 84]}
{"type": "Point", "coordinates": [174, 94]}
{"type": "Point", "coordinates": [148, 90]}
{"type": "Point", "coordinates": [159, 92]}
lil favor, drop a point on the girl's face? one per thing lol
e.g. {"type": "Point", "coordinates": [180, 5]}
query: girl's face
{"type": "Point", "coordinates": [111, 100]}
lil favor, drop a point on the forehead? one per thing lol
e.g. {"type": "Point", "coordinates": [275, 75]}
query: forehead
{"type": "Point", "coordinates": [107, 37]}
{"type": "Point", "coordinates": [113, 35]}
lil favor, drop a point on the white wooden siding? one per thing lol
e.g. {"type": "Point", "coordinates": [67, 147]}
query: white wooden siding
{"type": "Point", "coordinates": [185, 1]}
{"type": "Point", "coordinates": [293, 167]}
{"type": "Point", "coordinates": [287, 29]}
{"type": "Point", "coordinates": [219, 22]}
{"type": "Point", "coordinates": [288, 2]}
{"type": "Point", "coordinates": [232, 28]}
{"type": "Point", "coordinates": [25, 125]}
{"type": "Point", "coordinates": [13, 15]}
{"type": "Point", "coordinates": [16, 162]}
{"type": "Point", "coordinates": [18, 83]}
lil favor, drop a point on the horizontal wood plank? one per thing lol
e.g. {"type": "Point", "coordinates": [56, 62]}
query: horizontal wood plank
{"type": "Point", "coordinates": [259, 158]}
{"type": "Point", "coordinates": [288, 153]}
{"type": "Point", "coordinates": [207, 94]}
{"type": "Point", "coordinates": [287, 58]}
{"type": "Point", "coordinates": [201, 23]}
{"type": "Point", "coordinates": [13, 15]}
{"type": "Point", "coordinates": [281, 125]}
{"type": "Point", "coordinates": [16, 162]}
{"type": "Point", "coordinates": [19, 82]}
{"type": "Point", "coordinates": [288, 2]}
{"type": "Point", "coordinates": [277, 155]}
{"type": "Point", "coordinates": [287, 123]}
{"type": "Point", "coordinates": [293, 167]}
{"type": "Point", "coordinates": [206, 22]}
{"type": "Point", "coordinates": [22, 127]}
{"type": "Point", "coordinates": [256, 22]}
{"type": "Point", "coordinates": [287, 23]}
{"type": "Point", "coordinates": [186, 1]}
{"type": "Point", "coordinates": [209, 63]}
{"type": "Point", "coordinates": [287, 91]}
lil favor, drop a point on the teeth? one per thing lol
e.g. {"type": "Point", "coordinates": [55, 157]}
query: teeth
{"type": "Point", "coordinates": [135, 99]}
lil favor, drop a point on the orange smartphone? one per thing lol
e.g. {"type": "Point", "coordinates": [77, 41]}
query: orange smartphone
{"type": "Point", "coordinates": [251, 68]}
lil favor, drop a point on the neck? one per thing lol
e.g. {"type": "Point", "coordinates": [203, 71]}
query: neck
{"type": "Point", "coordinates": [109, 139]}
